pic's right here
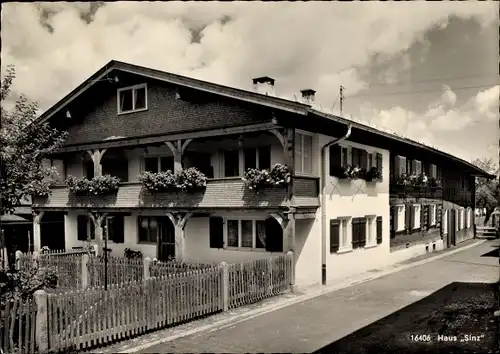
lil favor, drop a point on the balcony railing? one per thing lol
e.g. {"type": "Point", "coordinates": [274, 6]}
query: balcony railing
{"type": "Point", "coordinates": [408, 191]}
{"type": "Point", "coordinates": [219, 193]}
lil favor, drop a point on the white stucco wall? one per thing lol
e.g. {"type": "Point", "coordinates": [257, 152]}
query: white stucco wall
{"type": "Point", "coordinates": [356, 198]}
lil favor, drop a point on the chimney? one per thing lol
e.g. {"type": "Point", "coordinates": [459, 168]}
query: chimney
{"type": "Point", "coordinates": [264, 85]}
{"type": "Point", "coordinates": [308, 96]}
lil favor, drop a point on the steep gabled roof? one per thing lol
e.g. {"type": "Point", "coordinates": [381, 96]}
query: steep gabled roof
{"type": "Point", "coordinates": [242, 95]}
{"type": "Point", "coordinates": [206, 86]}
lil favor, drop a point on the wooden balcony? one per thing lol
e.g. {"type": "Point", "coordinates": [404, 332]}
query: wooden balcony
{"type": "Point", "coordinates": [400, 191]}
{"type": "Point", "coordinates": [219, 193]}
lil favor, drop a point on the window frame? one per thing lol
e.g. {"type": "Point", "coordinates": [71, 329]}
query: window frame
{"type": "Point", "coordinates": [400, 214]}
{"type": "Point", "coordinates": [158, 161]}
{"type": "Point", "coordinates": [417, 209]}
{"type": "Point", "coordinates": [301, 134]}
{"type": "Point", "coordinates": [345, 231]}
{"type": "Point", "coordinates": [148, 242]}
{"type": "Point", "coordinates": [257, 156]}
{"type": "Point", "coordinates": [371, 231]}
{"type": "Point", "coordinates": [433, 214]}
{"type": "Point", "coordinates": [444, 221]}
{"type": "Point", "coordinates": [134, 89]}
{"type": "Point", "coordinates": [239, 219]}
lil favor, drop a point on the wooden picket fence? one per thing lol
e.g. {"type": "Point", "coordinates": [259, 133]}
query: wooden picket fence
{"type": "Point", "coordinates": [159, 269]}
{"type": "Point", "coordinates": [253, 281]}
{"type": "Point", "coordinates": [67, 265]}
{"type": "Point", "coordinates": [91, 317]}
{"type": "Point", "coordinates": [85, 318]}
{"type": "Point", "coordinates": [18, 327]}
{"type": "Point", "coordinates": [120, 270]}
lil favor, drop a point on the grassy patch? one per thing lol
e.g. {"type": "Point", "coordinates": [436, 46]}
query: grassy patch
{"type": "Point", "coordinates": [457, 319]}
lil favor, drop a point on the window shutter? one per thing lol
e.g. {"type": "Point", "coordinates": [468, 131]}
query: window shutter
{"type": "Point", "coordinates": [345, 157]}
{"type": "Point", "coordinates": [397, 166]}
{"type": "Point", "coordinates": [379, 229]}
{"type": "Point", "coordinates": [371, 162]}
{"type": "Point", "coordinates": [427, 216]}
{"type": "Point", "coordinates": [354, 157]}
{"type": "Point", "coordinates": [117, 224]}
{"type": "Point", "coordinates": [274, 236]}
{"type": "Point", "coordinates": [439, 213]}
{"type": "Point", "coordinates": [335, 160]}
{"type": "Point", "coordinates": [362, 232]}
{"type": "Point", "coordinates": [363, 159]}
{"type": "Point", "coordinates": [432, 171]}
{"type": "Point", "coordinates": [402, 165]}
{"type": "Point", "coordinates": [419, 167]}
{"type": "Point", "coordinates": [423, 217]}
{"type": "Point", "coordinates": [408, 217]}
{"type": "Point", "coordinates": [334, 235]}
{"type": "Point", "coordinates": [355, 232]}
{"type": "Point", "coordinates": [82, 227]}
{"type": "Point", "coordinates": [379, 162]}
{"type": "Point", "coordinates": [216, 228]}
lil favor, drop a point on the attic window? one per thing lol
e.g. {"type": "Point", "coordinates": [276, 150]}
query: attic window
{"type": "Point", "coordinates": [132, 99]}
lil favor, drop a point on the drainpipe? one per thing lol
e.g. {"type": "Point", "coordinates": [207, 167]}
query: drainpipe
{"type": "Point", "coordinates": [323, 199]}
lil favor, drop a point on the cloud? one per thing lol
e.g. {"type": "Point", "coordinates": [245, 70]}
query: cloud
{"type": "Point", "coordinates": [440, 117]}
{"type": "Point", "coordinates": [55, 46]}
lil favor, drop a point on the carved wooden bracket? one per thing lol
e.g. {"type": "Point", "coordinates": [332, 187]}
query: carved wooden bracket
{"type": "Point", "coordinates": [37, 216]}
{"type": "Point", "coordinates": [97, 217]}
{"type": "Point", "coordinates": [178, 146]}
{"type": "Point", "coordinates": [282, 218]}
{"type": "Point", "coordinates": [179, 219]}
{"type": "Point", "coordinates": [96, 154]}
{"type": "Point", "coordinates": [281, 135]}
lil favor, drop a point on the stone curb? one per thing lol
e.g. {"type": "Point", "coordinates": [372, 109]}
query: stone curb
{"type": "Point", "coordinates": [301, 298]}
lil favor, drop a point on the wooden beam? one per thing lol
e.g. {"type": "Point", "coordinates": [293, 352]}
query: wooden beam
{"type": "Point", "coordinates": [305, 216]}
{"type": "Point", "coordinates": [170, 137]}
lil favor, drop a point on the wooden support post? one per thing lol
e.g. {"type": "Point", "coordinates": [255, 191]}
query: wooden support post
{"type": "Point", "coordinates": [37, 237]}
{"type": "Point", "coordinates": [289, 233]}
{"type": "Point", "coordinates": [179, 221]}
{"type": "Point", "coordinates": [147, 270]}
{"type": "Point", "coordinates": [85, 271]}
{"type": "Point", "coordinates": [41, 334]}
{"type": "Point", "coordinates": [289, 154]}
{"type": "Point", "coordinates": [96, 156]}
{"type": "Point", "coordinates": [178, 147]}
{"type": "Point", "coordinates": [98, 219]}
{"type": "Point", "coordinates": [225, 286]}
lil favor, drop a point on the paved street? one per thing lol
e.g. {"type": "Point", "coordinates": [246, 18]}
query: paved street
{"type": "Point", "coordinates": [312, 324]}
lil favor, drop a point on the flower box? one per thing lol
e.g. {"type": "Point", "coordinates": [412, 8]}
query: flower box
{"type": "Point", "coordinates": [277, 176]}
{"type": "Point", "coordinates": [97, 186]}
{"type": "Point", "coordinates": [351, 172]}
{"type": "Point", "coordinates": [187, 180]}
{"type": "Point", "coordinates": [373, 175]}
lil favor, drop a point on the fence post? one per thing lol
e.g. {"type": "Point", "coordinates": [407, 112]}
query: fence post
{"type": "Point", "coordinates": [19, 254]}
{"type": "Point", "coordinates": [147, 262]}
{"type": "Point", "coordinates": [41, 333]}
{"type": "Point", "coordinates": [85, 271]}
{"type": "Point", "coordinates": [225, 286]}
{"type": "Point", "coordinates": [269, 289]}
{"type": "Point", "coordinates": [36, 259]}
{"type": "Point", "coordinates": [291, 265]}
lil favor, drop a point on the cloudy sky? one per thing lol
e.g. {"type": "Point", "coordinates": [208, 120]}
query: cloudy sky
{"type": "Point", "coordinates": [425, 70]}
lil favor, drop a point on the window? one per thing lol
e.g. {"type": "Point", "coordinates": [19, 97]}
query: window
{"type": "Point", "coordinates": [469, 217]}
{"type": "Point", "coordinates": [303, 153]}
{"type": "Point", "coordinates": [231, 163]}
{"type": "Point", "coordinates": [257, 158]}
{"type": "Point", "coordinates": [148, 229]}
{"type": "Point", "coordinates": [131, 99]}
{"type": "Point", "coordinates": [371, 230]}
{"type": "Point", "coordinates": [400, 218]}
{"type": "Point", "coordinates": [400, 166]}
{"type": "Point", "coordinates": [462, 218]}
{"type": "Point", "coordinates": [246, 234]}
{"type": "Point", "coordinates": [433, 171]}
{"type": "Point", "coordinates": [445, 222]}
{"type": "Point", "coordinates": [432, 214]}
{"type": "Point", "coordinates": [114, 229]}
{"type": "Point", "coordinates": [159, 163]}
{"type": "Point", "coordinates": [416, 216]}
{"type": "Point", "coordinates": [85, 228]}
{"type": "Point", "coordinates": [416, 167]}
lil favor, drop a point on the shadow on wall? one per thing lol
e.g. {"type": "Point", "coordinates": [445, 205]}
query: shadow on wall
{"type": "Point", "coordinates": [302, 232]}
{"type": "Point", "coordinates": [452, 312]}
{"type": "Point", "coordinates": [351, 188]}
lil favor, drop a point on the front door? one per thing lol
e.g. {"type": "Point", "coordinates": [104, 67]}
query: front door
{"type": "Point", "coordinates": [166, 239]}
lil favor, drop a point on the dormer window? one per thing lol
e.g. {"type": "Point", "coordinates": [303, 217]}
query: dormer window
{"type": "Point", "coordinates": [132, 99]}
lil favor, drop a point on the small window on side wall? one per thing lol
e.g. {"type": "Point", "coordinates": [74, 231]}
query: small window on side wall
{"type": "Point", "coordinates": [131, 99]}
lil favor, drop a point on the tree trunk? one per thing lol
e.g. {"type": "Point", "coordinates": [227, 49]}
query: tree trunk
{"type": "Point", "coordinates": [489, 211]}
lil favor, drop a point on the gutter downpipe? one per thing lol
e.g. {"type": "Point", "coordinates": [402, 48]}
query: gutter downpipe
{"type": "Point", "coordinates": [323, 199]}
